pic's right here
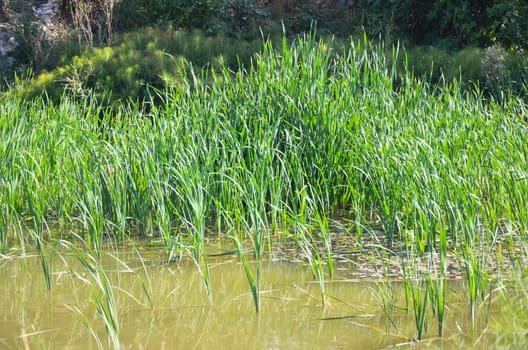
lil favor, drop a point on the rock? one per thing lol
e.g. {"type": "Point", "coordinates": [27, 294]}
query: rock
{"type": "Point", "coordinates": [48, 15]}
{"type": "Point", "coordinates": [7, 40]}
{"type": "Point", "coordinates": [47, 12]}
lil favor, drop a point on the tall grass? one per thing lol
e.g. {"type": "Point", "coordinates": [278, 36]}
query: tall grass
{"type": "Point", "coordinates": [304, 132]}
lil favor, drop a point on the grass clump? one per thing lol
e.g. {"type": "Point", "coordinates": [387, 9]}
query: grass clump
{"type": "Point", "coordinates": [305, 132]}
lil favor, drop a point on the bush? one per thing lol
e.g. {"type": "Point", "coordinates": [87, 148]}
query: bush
{"type": "Point", "coordinates": [131, 14]}
{"type": "Point", "coordinates": [494, 69]}
{"type": "Point", "coordinates": [450, 24]}
{"type": "Point", "coordinates": [140, 61]}
{"type": "Point", "coordinates": [436, 64]}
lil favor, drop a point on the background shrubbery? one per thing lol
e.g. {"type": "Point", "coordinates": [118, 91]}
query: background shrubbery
{"type": "Point", "coordinates": [480, 43]}
{"type": "Point", "coordinates": [494, 69]}
{"type": "Point", "coordinates": [139, 62]}
{"type": "Point", "coordinates": [150, 59]}
{"type": "Point", "coordinates": [132, 14]}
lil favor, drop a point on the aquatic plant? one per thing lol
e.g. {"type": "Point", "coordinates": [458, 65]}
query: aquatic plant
{"type": "Point", "coordinates": [103, 297]}
{"type": "Point", "coordinates": [103, 300]}
{"type": "Point", "coordinates": [277, 148]}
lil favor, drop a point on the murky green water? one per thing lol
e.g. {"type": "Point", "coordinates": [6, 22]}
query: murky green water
{"type": "Point", "coordinates": [292, 317]}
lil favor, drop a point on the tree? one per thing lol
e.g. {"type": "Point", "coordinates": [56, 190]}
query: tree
{"type": "Point", "coordinates": [508, 24]}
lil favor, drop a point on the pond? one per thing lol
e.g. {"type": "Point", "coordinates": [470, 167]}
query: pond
{"type": "Point", "coordinates": [183, 317]}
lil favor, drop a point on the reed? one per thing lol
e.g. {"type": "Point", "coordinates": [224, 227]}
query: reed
{"type": "Point", "coordinates": [252, 275]}
{"type": "Point", "coordinates": [439, 284]}
{"type": "Point", "coordinates": [308, 130]}
{"type": "Point", "coordinates": [103, 297]}
{"type": "Point", "coordinates": [304, 238]}
{"type": "Point", "coordinates": [3, 236]}
{"type": "Point", "coordinates": [418, 289]}
{"type": "Point", "coordinates": [420, 297]}
{"type": "Point", "coordinates": [388, 303]}
{"type": "Point", "coordinates": [476, 277]}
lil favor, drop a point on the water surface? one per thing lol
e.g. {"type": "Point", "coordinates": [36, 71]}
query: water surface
{"type": "Point", "coordinates": [182, 316]}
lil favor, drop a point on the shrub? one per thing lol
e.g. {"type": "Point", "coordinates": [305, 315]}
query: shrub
{"type": "Point", "coordinates": [141, 60]}
{"type": "Point", "coordinates": [130, 14]}
{"type": "Point", "coordinates": [494, 69]}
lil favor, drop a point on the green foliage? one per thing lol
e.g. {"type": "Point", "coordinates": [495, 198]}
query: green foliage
{"type": "Point", "coordinates": [178, 13]}
{"type": "Point", "coordinates": [449, 24]}
{"type": "Point", "coordinates": [242, 19]}
{"type": "Point", "coordinates": [386, 18]}
{"type": "Point", "coordinates": [141, 60]}
{"type": "Point", "coordinates": [435, 64]}
{"type": "Point", "coordinates": [494, 69]}
{"type": "Point", "coordinates": [302, 133]}
{"type": "Point", "coordinates": [507, 24]}
{"type": "Point", "coordinates": [233, 18]}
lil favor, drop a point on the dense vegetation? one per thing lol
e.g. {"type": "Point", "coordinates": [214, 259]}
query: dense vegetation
{"type": "Point", "coordinates": [434, 169]}
{"type": "Point", "coordinates": [168, 135]}
{"type": "Point", "coordinates": [122, 47]}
